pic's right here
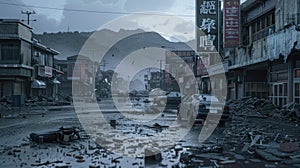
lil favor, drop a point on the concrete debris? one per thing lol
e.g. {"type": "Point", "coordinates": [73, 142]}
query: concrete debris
{"type": "Point", "coordinates": [227, 161]}
{"type": "Point", "coordinates": [185, 157]}
{"type": "Point", "coordinates": [5, 101]}
{"type": "Point", "coordinates": [237, 156]}
{"type": "Point", "coordinates": [46, 163]}
{"type": "Point", "coordinates": [266, 140]}
{"type": "Point", "coordinates": [113, 123]}
{"type": "Point", "coordinates": [62, 165]}
{"type": "Point", "coordinates": [211, 149]}
{"type": "Point", "coordinates": [288, 147]}
{"type": "Point", "coordinates": [260, 130]}
{"type": "Point", "coordinates": [279, 154]}
{"type": "Point", "coordinates": [152, 155]}
{"type": "Point", "coordinates": [63, 134]}
{"type": "Point", "coordinates": [267, 156]}
{"type": "Point", "coordinates": [261, 108]}
{"type": "Point", "coordinates": [291, 162]}
{"type": "Point", "coordinates": [36, 101]}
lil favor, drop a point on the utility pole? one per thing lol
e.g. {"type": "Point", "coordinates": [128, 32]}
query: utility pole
{"type": "Point", "coordinates": [28, 13]}
{"type": "Point", "coordinates": [160, 72]}
{"type": "Point", "coordinates": [103, 64]}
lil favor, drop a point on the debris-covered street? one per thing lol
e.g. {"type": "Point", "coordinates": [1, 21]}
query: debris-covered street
{"type": "Point", "coordinates": [250, 139]}
{"type": "Point", "coordinates": [139, 83]}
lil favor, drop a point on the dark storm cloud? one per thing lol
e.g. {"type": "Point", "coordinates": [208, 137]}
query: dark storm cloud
{"type": "Point", "coordinates": [43, 24]}
{"type": "Point", "coordinates": [86, 19]}
{"type": "Point", "coordinates": [185, 27]}
{"type": "Point", "coordinates": [12, 12]}
{"type": "Point", "coordinates": [89, 21]}
{"type": "Point", "coordinates": [110, 2]}
{"type": "Point", "coordinates": [148, 5]}
{"type": "Point", "coordinates": [93, 20]}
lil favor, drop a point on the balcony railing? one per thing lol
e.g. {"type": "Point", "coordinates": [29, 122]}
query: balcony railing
{"type": "Point", "coordinates": [263, 33]}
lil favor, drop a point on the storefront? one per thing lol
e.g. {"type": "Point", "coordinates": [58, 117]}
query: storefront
{"type": "Point", "coordinates": [279, 82]}
{"type": "Point", "coordinates": [249, 81]}
{"type": "Point", "coordinates": [295, 61]}
{"type": "Point", "coordinates": [38, 87]}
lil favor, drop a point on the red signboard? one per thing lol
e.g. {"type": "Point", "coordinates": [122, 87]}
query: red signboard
{"type": "Point", "coordinates": [48, 71]}
{"type": "Point", "coordinates": [231, 23]}
{"type": "Point", "coordinates": [45, 71]}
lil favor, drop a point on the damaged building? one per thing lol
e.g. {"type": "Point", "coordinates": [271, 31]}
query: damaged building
{"type": "Point", "coordinates": [267, 62]}
{"type": "Point", "coordinates": [26, 65]}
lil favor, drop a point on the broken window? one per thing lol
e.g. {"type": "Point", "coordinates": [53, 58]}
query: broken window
{"type": "Point", "coordinates": [10, 52]}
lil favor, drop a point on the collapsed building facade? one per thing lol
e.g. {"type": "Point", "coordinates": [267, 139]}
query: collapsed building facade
{"type": "Point", "coordinates": [267, 62]}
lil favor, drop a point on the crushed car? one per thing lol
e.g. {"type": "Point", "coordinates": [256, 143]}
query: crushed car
{"type": "Point", "coordinates": [211, 105]}
{"type": "Point", "coordinates": [197, 107]}
{"type": "Point", "coordinates": [63, 134]}
{"type": "Point", "coordinates": [170, 100]}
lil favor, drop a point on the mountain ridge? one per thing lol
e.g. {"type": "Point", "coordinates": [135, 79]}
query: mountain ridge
{"type": "Point", "coordinates": [70, 43]}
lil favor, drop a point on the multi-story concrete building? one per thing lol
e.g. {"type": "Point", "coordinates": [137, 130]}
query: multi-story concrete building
{"type": "Point", "coordinates": [155, 80]}
{"type": "Point", "coordinates": [45, 74]}
{"type": "Point", "coordinates": [78, 70]}
{"type": "Point", "coordinates": [65, 88]}
{"type": "Point", "coordinates": [267, 62]}
{"type": "Point", "coordinates": [21, 62]}
{"type": "Point", "coordinates": [15, 58]}
{"type": "Point", "coordinates": [178, 64]}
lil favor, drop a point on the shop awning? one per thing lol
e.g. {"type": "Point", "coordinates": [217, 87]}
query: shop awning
{"type": "Point", "coordinates": [37, 84]}
{"type": "Point", "coordinates": [55, 81]}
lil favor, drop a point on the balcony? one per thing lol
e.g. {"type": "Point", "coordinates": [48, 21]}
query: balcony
{"type": "Point", "coordinates": [15, 70]}
{"type": "Point", "coordinates": [263, 33]}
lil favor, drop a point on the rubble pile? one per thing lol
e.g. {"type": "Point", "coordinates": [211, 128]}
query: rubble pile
{"type": "Point", "coordinates": [5, 101]}
{"type": "Point", "coordinates": [258, 140]}
{"type": "Point", "coordinates": [37, 101]}
{"type": "Point", "coordinates": [263, 133]}
{"type": "Point", "coordinates": [48, 101]}
{"type": "Point", "coordinates": [262, 108]}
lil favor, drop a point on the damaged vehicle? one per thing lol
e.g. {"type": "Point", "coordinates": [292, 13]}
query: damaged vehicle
{"type": "Point", "coordinates": [171, 100]}
{"type": "Point", "coordinates": [63, 134]}
{"type": "Point", "coordinates": [212, 106]}
{"type": "Point", "coordinates": [198, 106]}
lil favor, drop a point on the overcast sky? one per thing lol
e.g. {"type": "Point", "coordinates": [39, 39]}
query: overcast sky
{"type": "Point", "coordinates": [91, 15]}
{"type": "Point", "coordinates": [88, 16]}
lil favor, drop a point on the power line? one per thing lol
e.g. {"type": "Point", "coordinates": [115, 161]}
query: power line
{"type": "Point", "coordinates": [89, 11]}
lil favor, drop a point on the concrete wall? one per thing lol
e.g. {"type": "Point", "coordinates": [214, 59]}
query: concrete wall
{"type": "Point", "coordinates": [275, 44]}
{"type": "Point", "coordinates": [24, 32]}
{"type": "Point", "coordinates": [259, 8]}
{"type": "Point", "coordinates": [286, 13]}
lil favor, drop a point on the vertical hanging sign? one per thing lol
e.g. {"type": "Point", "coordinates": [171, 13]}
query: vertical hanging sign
{"type": "Point", "coordinates": [207, 20]}
{"type": "Point", "coordinates": [231, 23]}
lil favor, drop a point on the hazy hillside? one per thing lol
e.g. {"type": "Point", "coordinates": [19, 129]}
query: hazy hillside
{"type": "Point", "coordinates": [67, 43]}
{"type": "Point", "coordinates": [70, 43]}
